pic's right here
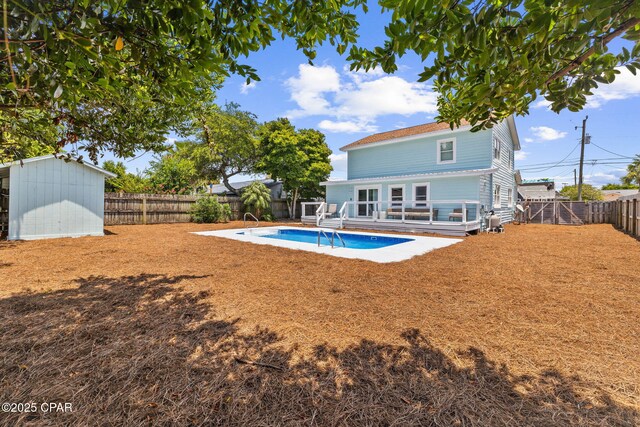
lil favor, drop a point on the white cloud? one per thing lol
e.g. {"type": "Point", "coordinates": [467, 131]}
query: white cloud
{"type": "Point", "coordinates": [339, 163]}
{"type": "Point", "coordinates": [598, 179]}
{"type": "Point", "coordinates": [521, 155]}
{"type": "Point", "coordinates": [345, 126]}
{"type": "Point", "coordinates": [542, 104]}
{"type": "Point", "coordinates": [356, 99]}
{"type": "Point", "coordinates": [309, 87]}
{"type": "Point", "coordinates": [625, 86]}
{"type": "Point", "coordinates": [245, 88]}
{"type": "Point", "coordinates": [546, 133]}
{"type": "Point", "coordinates": [528, 140]}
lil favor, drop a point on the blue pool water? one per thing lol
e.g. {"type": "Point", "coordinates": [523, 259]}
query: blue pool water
{"type": "Point", "coordinates": [352, 241]}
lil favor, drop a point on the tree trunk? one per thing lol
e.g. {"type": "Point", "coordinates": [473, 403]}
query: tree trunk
{"type": "Point", "coordinates": [225, 181]}
{"type": "Point", "coordinates": [292, 205]}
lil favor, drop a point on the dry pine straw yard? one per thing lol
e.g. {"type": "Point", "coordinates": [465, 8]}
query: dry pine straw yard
{"type": "Point", "coordinates": [152, 325]}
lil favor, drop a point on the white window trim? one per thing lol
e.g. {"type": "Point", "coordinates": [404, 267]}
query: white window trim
{"type": "Point", "coordinates": [365, 187]}
{"type": "Point", "coordinates": [413, 191]}
{"type": "Point", "coordinates": [497, 203]}
{"type": "Point", "coordinates": [391, 187]}
{"type": "Point", "coordinates": [439, 153]}
{"type": "Point", "coordinates": [510, 196]}
{"type": "Point", "coordinates": [496, 143]}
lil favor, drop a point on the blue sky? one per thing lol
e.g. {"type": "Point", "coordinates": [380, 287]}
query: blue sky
{"type": "Point", "coordinates": [347, 106]}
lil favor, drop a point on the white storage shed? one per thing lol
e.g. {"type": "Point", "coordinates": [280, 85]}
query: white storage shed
{"type": "Point", "coordinates": [45, 197]}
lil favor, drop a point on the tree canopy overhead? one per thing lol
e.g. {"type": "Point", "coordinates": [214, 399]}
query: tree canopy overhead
{"type": "Point", "coordinates": [492, 58]}
{"type": "Point", "coordinates": [119, 74]}
{"type": "Point", "coordinates": [135, 63]}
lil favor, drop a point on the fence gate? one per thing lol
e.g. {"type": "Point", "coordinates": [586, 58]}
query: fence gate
{"type": "Point", "coordinates": [556, 212]}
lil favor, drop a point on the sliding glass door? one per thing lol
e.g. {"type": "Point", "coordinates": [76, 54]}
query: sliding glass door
{"type": "Point", "coordinates": [370, 195]}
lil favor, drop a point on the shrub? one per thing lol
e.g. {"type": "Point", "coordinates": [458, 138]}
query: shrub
{"type": "Point", "coordinates": [207, 209]}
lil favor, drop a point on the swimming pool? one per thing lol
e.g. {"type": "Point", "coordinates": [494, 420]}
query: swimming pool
{"type": "Point", "coordinates": [376, 247]}
{"type": "Point", "coordinates": [351, 241]}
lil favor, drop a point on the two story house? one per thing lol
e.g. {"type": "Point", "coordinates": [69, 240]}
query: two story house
{"type": "Point", "coordinates": [425, 178]}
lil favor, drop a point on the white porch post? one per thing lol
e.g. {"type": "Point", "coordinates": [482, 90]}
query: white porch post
{"type": "Point", "coordinates": [464, 212]}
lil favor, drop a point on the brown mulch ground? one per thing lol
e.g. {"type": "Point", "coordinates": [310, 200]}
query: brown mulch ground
{"type": "Point", "coordinates": [151, 325]}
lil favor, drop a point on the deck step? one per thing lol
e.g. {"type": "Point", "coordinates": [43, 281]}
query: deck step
{"type": "Point", "coordinates": [330, 223]}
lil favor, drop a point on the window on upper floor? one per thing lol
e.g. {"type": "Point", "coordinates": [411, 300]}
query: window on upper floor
{"type": "Point", "coordinates": [447, 151]}
{"type": "Point", "coordinates": [496, 196]}
{"type": "Point", "coordinates": [496, 148]}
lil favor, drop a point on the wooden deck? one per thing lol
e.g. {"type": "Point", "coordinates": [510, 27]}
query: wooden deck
{"type": "Point", "coordinates": [449, 228]}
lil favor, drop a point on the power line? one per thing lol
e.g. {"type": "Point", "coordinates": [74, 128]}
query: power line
{"type": "Point", "coordinates": [574, 163]}
{"type": "Point", "coordinates": [565, 158]}
{"type": "Point", "coordinates": [611, 152]}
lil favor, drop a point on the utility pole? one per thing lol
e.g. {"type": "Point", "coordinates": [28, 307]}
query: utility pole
{"type": "Point", "coordinates": [582, 142]}
{"type": "Point", "coordinates": [575, 178]}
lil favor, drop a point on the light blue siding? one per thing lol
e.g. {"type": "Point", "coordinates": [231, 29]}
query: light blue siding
{"type": "Point", "coordinates": [505, 175]}
{"type": "Point", "coordinates": [473, 151]}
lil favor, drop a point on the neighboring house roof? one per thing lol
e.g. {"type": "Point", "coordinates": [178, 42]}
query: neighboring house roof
{"type": "Point", "coordinates": [6, 166]}
{"type": "Point", "coordinates": [610, 195]}
{"type": "Point", "coordinates": [538, 181]}
{"type": "Point", "coordinates": [221, 189]}
{"type": "Point", "coordinates": [543, 191]}
{"type": "Point", "coordinates": [472, 172]}
{"type": "Point", "coordinates": [413, 131]}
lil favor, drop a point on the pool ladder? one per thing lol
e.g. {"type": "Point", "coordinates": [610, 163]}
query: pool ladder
{"type": "Point", "coordinates": [252, 216]}
{"type": "Point", "coordinates": [334, 233]}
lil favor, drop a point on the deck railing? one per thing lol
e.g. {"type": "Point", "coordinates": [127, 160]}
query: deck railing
{"type": "Point", "coordinates": [412, 211]}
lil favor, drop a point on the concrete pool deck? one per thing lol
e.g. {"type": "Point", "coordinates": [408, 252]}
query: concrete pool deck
{"type": "Point", "coordinates": [420, 245]}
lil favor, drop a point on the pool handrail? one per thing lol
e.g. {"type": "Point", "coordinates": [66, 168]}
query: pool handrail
{"type": "Point", "coordinates": [252, 216]}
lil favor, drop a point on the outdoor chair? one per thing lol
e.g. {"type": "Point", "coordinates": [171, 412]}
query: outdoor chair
{"type": "Point", "coordinates": [332, 209]}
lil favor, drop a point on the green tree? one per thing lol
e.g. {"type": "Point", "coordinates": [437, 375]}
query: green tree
{"type": "Point", "coordinates": [633, 172]}
{"type": "Point", "coordinates": [116, 74]}
{"type": "Point", "coordinates": [589, 192]}
{"type": "Point", "coordinates": [174, 172]}
{"type": "Point", "coordinates": [493, 58]}
{"type": "Point", "coordinates": [299, 158]}
{"type": "Point", "coordinates": [17, 143]}
{"type": "Point", "coordinates": [613, 186]}
{"type": "Point", "coordinates": [124, 181]}
{"type": "Point", "coordinates": [227, 143]}
{"type": "Point", "coordinates": [257, 197]}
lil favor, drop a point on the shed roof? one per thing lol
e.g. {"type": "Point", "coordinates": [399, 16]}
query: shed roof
{"type": "Point", "coordinates": [4, 167]}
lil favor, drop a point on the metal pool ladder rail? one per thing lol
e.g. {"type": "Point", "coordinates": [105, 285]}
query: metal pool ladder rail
{"type": "Point", "coordinates": [334, 233]}
{"type": "Point", "coordinates": [252, 216]}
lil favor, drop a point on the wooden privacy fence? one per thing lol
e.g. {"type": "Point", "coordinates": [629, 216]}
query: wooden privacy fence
{"type": "Point", "coordinates": [127, 208]}
{"type": "Point", "coordinates": [624, 213]}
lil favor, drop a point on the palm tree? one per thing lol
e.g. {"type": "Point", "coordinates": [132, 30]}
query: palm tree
{"type": "Point", "coordinates": [257, 196]}
{"type": "Point", "coordinates": [633, 172]}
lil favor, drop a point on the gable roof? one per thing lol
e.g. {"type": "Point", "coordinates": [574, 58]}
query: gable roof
{"type": "Point", "coordinates": [52, 156]}
{"type": "Point", "coordinates": [415, 131]}
{"type": "Point", "coordinates": [402, 133]}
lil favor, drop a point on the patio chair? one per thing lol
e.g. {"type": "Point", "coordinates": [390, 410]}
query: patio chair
{"type": "Point", "coordinates": [332, 209]}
